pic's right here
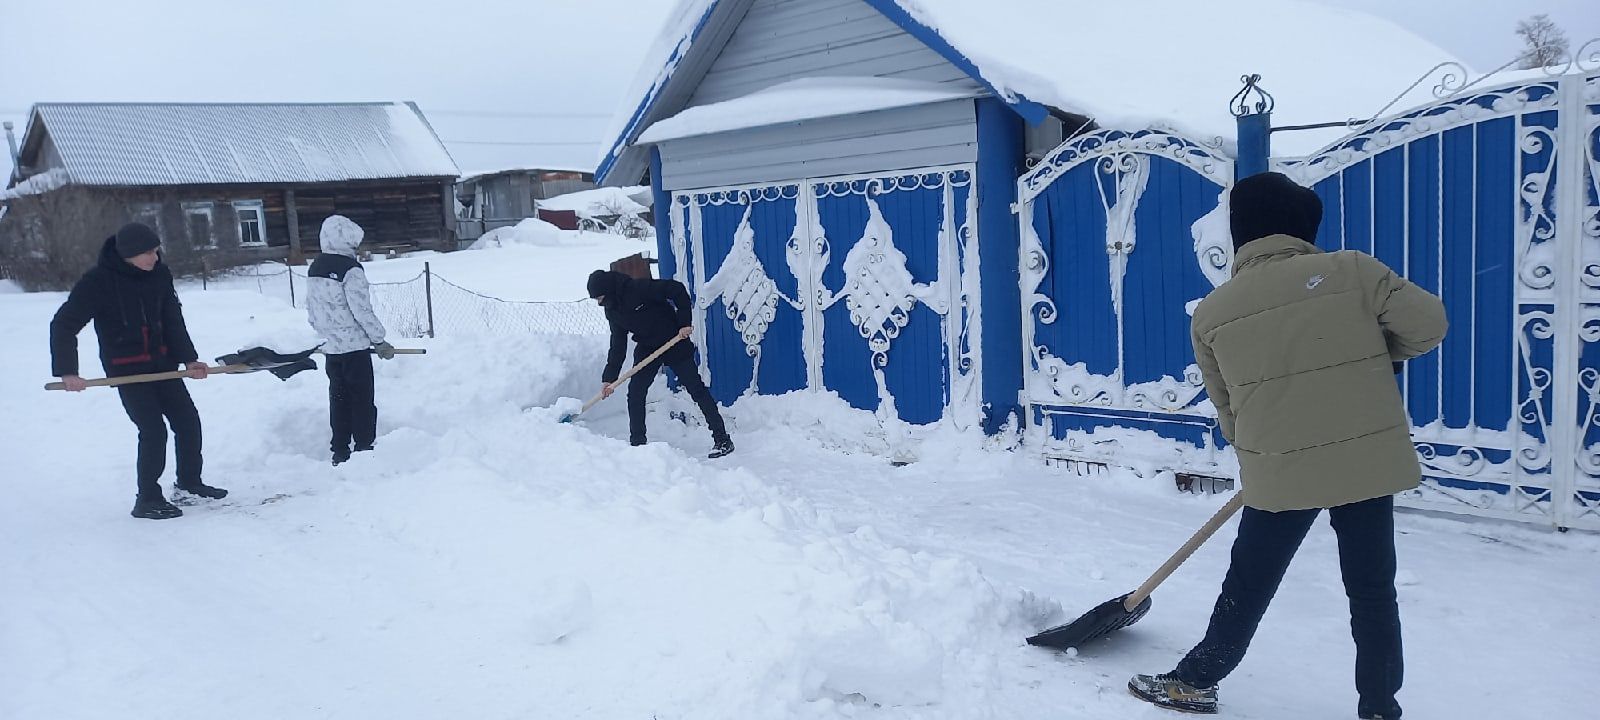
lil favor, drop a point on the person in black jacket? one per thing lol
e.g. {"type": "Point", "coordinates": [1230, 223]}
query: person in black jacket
{"type": "Point", "coordinates": [654, 311]}
{"type": "Point", "coordinates": [138, 320]}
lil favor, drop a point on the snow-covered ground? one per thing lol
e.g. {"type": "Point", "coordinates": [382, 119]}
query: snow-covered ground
{"type": "Point", "coordinates": [488, 561]}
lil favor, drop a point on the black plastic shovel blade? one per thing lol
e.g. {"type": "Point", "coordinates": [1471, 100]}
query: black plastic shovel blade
{"type": "Point", "coordinates": [1106, 618]}
{"type": "Point", "coordinates": [283, 365]}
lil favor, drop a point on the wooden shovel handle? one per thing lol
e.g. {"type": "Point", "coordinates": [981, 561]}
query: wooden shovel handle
{"type": "Point", "coordinates": [1195, 541]}
{"type": "Point", "coordinates": [146, 377]}
{"type": "Point", "coordinates": [397, 351]}
{"type": "Point", "coordinates": [630, 373]}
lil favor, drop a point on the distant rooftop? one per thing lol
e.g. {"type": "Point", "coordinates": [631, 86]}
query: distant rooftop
{"type": "Point", "coordinates": [133, 144]}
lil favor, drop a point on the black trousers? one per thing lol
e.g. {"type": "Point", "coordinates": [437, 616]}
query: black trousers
{"type": "Point", "coordinates": [352, 411]}
{"type": "Point", "coordinates": [1267, 542]}
{"type": "Point", "coordinates": [681, 359]}
{"type": "Point", "coordinates": [152, 407]}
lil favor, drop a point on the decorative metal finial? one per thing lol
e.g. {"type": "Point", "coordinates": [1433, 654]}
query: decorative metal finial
{"type": "Point", "coordinates": [1252, 99]}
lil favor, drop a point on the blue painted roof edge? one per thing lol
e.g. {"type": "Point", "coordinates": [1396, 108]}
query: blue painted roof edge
{"type": "Point", "coordinates": [1032, 112]}
{"type": "Point", "coordinates": [632, 129]}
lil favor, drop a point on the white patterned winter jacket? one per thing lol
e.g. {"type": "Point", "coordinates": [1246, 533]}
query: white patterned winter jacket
{"type": "Point", "coordinates": [339, 301]}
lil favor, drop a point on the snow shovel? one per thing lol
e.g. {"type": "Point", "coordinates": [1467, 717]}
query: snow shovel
{"type": "Point", "coordinates": [286, 365]}
{"type": "Point", "coordinates": [245, 361]}
{"type": "Point", "coordinates": [636, 368]}
{"type": "Point", "coordinates": [283, 365]}
{"type": "Point", "coordinates": [1113, 615]}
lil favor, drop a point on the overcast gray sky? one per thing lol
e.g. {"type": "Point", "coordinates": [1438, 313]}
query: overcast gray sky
{"type": "Point", "coordinates": [505, 82]}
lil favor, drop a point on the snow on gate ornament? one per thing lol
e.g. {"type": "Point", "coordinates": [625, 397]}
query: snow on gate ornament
{"type": "Point", "coordinates": [879, 290]}
{"type": "Point", "coordinates": [749, 296]}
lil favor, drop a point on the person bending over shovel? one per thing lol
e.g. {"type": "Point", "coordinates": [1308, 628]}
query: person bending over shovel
{"type": "Point", "coordinates": [655, 312]}
{"type": "Point", "coordinates": [129, 296]}
{"type": "Point", "coordinates": [1296, 353]}
{"type": "Point", "coordinates": [339, 307]}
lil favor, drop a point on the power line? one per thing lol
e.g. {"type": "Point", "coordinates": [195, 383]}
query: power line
{"type": "Point", "coordinates": [511, 142]}
{"type": "Point", "coordinates": [507, 114]}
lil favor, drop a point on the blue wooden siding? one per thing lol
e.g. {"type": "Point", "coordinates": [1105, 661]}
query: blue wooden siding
{"type": "Point", "coordinates": [782, 364]}
{"type": "Point", "coordinates": [916, 370]}
{"type": "Point", "coordinates": [916, 375]}
{"type": "Point", "coordinates": [1071, 224]}
{"type": "Point", "coordinates": [916, 367]}
{"type": "Point", "coordinates": [1164, 273]}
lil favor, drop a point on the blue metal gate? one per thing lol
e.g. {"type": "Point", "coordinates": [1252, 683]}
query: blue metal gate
{"type": "Point", "coordinates": [1114, 257]}
{"type": "Point", "coordinates": [1489, 199]}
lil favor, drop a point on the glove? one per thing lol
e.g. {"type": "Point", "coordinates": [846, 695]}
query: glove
{"type": "Point", "coordinates": [384, 350]}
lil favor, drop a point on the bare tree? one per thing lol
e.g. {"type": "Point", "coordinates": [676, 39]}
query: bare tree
{"type": "Point", "coordinates": [617, 216]}
{"type": "Point", "coordinates": [48, 239]}
{"type": "Point", "coordinates": [1546, 44]}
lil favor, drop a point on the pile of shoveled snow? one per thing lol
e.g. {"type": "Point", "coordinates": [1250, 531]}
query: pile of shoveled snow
{"type": "Point", "coordinates": [531, 231]}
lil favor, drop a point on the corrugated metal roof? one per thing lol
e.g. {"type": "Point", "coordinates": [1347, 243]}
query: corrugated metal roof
{"type": "Point", "coordinates": [195, 144]}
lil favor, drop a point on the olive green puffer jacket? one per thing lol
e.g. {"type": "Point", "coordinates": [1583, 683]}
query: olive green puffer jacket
{"type": "Point", "coordinates": [1296, 350]}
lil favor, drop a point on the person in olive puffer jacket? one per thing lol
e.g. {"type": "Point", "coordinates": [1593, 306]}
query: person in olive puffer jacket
{"type": "Point", "coordinates": [138, 320]}
{"type": "Point", "coordinates": [1298, 353]}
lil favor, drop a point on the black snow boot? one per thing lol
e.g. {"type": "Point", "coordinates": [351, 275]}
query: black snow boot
{"type": "Point", "coordinates": [155, 507]}
{"type": "Point", "coordinates": [636, 442]}
{"type": "Point", "coordinates": [201, 489]}
{"type": "Point", "coordinates": [1174, 694]}
{"type": "Point", "coordinates": [720, 447]}
{"type": "Point", "coordinates": [340, 458]}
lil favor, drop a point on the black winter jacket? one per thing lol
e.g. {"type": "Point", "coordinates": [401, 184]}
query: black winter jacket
{"type": "Point", "coordinates": [653, 311]}
{"type": "Point", "coordinates": [136, 314]}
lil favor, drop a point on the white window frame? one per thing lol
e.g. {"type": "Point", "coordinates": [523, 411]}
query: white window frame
{"type": "Point", "coordinates": [200, 208]}
{"type": "Point", "coordinates": [149, 213]}
{"type": "Point", "coordinates": [261, 221]}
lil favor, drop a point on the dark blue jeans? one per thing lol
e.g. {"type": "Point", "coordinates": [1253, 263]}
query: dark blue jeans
{"type": "Point", "coordinates": [1267, 542]}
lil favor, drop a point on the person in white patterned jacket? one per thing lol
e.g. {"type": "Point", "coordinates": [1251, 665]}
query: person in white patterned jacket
{"type": "Point", "coordinates": [339, 306]}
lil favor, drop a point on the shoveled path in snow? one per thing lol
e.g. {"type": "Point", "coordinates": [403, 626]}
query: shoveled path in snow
{"type": "Point", "coordinates": [1495, 614]}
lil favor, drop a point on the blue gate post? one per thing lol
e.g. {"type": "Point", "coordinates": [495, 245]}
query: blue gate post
{"type": "Point", "coordinates": [1252, 109]}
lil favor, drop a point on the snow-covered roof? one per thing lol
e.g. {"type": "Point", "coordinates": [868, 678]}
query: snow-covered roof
{"type": "Point", "coordinates": [1176, 63]}
{"type": "Point", "coordinates": [1133, 64]}
{"type": "Point", "coordinates": [193, 144]}
{"type": "Point", "coordinates": [802, 99]}
{"type": "Point", "coordinates": [35, 185]}
{"type": "Point", "coordinates": [601, 201]}
{"type": "Point", "coordinates": [471, 175]}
